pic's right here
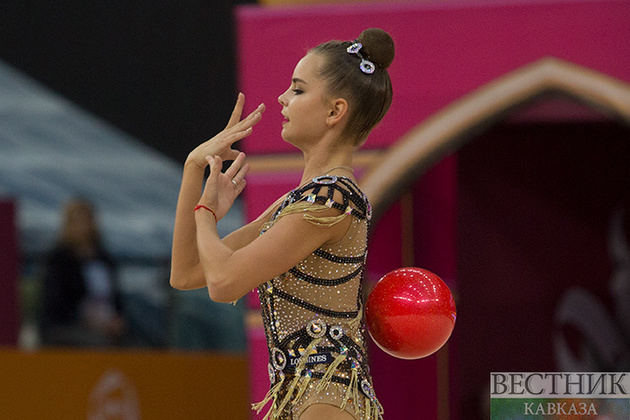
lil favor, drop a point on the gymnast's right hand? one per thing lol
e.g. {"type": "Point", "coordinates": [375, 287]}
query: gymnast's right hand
{"type": "Point", "coordinates": [221, 144]}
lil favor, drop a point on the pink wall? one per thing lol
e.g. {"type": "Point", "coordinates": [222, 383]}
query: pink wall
{"type": "Point", "coordinates": [444, 50]}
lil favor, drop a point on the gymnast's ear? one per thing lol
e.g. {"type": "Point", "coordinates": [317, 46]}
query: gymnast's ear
{"type": "Point", "coordinates": [338, 111]}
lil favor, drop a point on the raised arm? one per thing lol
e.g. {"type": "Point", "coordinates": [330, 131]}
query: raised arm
{"type": "Point", "coordinates": [186, 272]}
{"type": "Point", "coordinates": [229, 274]}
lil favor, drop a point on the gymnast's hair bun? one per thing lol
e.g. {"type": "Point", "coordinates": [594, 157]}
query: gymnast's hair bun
{"type": "Point", "coordinates": [378, 45]}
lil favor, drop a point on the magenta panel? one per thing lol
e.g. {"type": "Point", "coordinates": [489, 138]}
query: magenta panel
{"type": "Point", "coordinates": [443, 50]}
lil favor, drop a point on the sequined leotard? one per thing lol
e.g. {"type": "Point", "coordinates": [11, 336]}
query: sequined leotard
{"type": "Point", "coordinates": [313, 312]}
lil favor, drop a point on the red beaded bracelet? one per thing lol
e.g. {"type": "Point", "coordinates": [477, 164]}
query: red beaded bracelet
{"type": "Point", "coordinates": [201, 206]}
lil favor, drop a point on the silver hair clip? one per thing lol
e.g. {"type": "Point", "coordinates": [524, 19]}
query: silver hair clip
{"type": "Point", "coordinates": [366, 66]}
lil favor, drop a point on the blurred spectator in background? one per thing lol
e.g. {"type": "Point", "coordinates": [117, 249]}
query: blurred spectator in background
{"type": "Point", "coordinates": [81, 303]}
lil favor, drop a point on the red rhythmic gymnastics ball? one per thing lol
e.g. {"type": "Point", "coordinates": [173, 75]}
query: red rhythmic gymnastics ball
{"type": "Point", "coordinates": [410, 313]}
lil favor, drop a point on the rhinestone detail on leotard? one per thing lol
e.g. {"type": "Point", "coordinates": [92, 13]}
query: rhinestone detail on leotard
{"type": "Point", "coordinates": [313, 312]}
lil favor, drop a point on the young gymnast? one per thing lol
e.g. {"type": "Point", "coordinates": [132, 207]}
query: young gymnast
{"type": "Point", "coordinates": [306, 253]}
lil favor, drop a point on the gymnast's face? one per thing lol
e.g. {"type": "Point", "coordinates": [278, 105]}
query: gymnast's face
{"type": "Point", "coordinates": [306, 104]}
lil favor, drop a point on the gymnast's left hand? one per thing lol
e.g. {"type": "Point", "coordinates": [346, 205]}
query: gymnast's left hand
{"type": "Point", "coordinates": [222, 188]}
{"type": "Point", "coordinates": [221, 144]}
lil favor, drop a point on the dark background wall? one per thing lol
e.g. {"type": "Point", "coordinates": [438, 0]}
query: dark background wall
{"type": "Point", "coordinates": [163, 71]}
{"type": "Point", "coordinates": [535, 204]}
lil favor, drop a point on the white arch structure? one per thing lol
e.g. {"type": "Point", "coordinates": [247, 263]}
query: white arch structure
{"type": "Point", "coordinates": [452, 127]}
